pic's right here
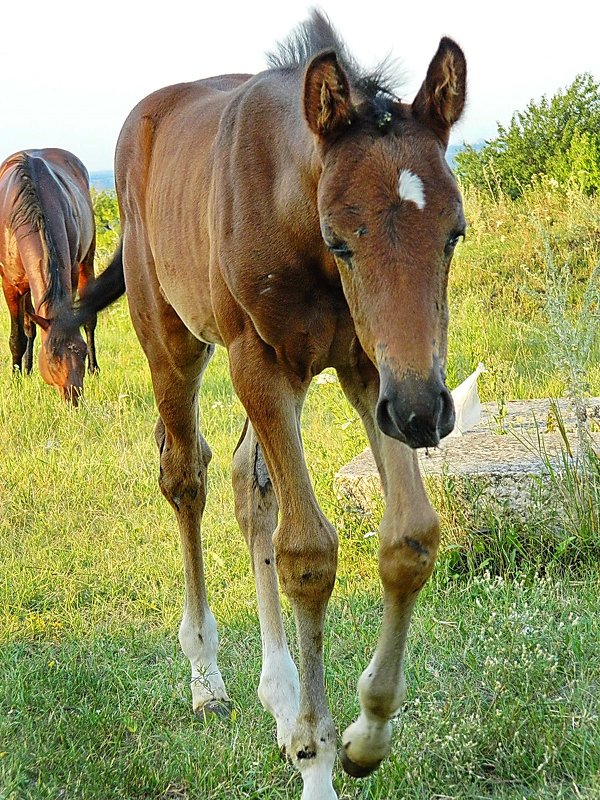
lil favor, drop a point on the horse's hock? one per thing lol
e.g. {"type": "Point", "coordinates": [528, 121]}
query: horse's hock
{"type": "Point", "coordinates": [509, 462]}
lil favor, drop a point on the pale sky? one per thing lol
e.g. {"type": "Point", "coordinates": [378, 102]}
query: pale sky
{"type": "Point", "coordinates": [70, 72]}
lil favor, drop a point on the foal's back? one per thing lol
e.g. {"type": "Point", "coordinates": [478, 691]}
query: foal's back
{"type": "Point", "coordinates": [164, 152]}
{"type": "Point", "coordinates": [163, 169]}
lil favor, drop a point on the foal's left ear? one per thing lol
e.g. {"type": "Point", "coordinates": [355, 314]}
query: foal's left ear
{"type": "Point", "coordinates": [327, 104]}
{"type": "Point", "coordinates": [441, 99]}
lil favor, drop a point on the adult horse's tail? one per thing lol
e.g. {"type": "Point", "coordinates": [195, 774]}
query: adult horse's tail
{"type": "Point", "coordinates": [107, 288]}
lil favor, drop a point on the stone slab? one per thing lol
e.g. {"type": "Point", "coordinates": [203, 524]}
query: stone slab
{"type": "Point", "coordinates": [503, 453]}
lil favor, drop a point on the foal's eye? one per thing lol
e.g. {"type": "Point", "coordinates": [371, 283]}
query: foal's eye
{"type": "Point", "coordinates": [340, 250]}
{"type": "Point", "coordinates": [453, 241]}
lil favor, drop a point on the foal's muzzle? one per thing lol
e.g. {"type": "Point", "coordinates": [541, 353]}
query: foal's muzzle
{"type": "Point", "coordinates": [416, 411]}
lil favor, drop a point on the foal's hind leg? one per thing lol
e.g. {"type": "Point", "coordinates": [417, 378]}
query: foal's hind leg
{"type": "Point", "coordinates": [305, 546]}
{"type": "Point", "coordinates": [256, 512]}
{"type": "Point", "coordinates": [184, 458]}
{"type": "Point", "coordinates": [409, 538]}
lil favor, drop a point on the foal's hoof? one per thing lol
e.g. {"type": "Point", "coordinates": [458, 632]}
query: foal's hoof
{"type": "Point", "coordinates": [284, 755]}
{"type": "Point", "coordinates": [214, 708]}
{"type": "Point", "coordinates": [353, 769]}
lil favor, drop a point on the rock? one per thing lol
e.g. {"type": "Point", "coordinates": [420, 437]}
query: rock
{"type": "Point", "coordinates": [505, 460]}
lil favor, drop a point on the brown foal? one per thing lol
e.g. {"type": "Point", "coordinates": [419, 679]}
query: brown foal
{"type": "Point", "coordinates": [303, 218]}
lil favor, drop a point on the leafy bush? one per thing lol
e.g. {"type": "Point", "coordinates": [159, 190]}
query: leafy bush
{"type": "Point", "coordinates": [108, 225]}
{"type": "Point", "coordinates": [558, 138]}
{"type": "Point", "coordinates": [580, 165]}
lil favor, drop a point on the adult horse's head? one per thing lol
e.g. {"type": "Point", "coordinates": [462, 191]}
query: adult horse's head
{"type": "Point", "coordinates": [391, 214]}
{"type": "Point", "coordinates": [62, 359]}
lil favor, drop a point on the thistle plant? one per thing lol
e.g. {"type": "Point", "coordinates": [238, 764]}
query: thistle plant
{"type": "Point", "coordinates": [571, 338]}
{"type": "Point", "coordinates": [570, 344]}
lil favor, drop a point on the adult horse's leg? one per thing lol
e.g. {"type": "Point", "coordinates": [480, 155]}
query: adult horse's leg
{"type": "Point", "coordinates": [177, 360]}
{"type": "Point", "coordinates": [30, 330]}
{"type": "Point", "coordinates": [17, 339]}
{"type": "Point", "coordinates": [256, 512]}
{"type": "Point", "coordinates": [85, 279]}
{"type": "Point", "coordinates": [409, 538]}
{"type": "Point", "coordinates": [305, 546]}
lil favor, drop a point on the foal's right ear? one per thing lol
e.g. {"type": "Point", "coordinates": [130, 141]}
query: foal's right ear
{"type": "Point", "coordinates": [327, 104]}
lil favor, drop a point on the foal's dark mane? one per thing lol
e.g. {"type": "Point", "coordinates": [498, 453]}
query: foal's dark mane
{"type": "Point", "coordinates": [376, 87]}
{"type": "Point", "coordinates": [29, 211]}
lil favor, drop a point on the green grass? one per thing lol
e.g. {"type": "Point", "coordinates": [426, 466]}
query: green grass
{"type": "Point", "coordinates": [498, 289]}
{"type": "Point", "coordinates": [503, 660]}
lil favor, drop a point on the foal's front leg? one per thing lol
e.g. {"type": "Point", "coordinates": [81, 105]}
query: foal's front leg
{"type": "Point", "coordinates": [305, 547]}
{"type": "Point", "coordinates": [409, 538]}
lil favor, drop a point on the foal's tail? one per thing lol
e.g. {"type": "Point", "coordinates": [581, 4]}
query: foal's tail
{"type": "Point", "coordinates": [99, 294]}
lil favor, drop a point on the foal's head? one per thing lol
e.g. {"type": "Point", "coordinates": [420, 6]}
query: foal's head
{"type": "Point", "coordinates": [391, 215]}
{"type": "Point", "coordinates": [62, 360]}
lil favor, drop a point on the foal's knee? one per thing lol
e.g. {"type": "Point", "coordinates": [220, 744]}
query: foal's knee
{"type": "Point", "coordinates": [306, 560]}
{"type": "Point", "coordinates": [407, 554]}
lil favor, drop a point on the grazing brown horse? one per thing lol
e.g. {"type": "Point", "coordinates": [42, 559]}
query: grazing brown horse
{"type": "Point", "coordinates": [47, 243]}
{"type": "Point", "coordinates": [303, 218]}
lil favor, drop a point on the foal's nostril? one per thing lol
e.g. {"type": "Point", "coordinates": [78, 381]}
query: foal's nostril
{"type": "Point", "coordinates": [386, 419]}
{"type": "Point", "coordinates": [446, 418]}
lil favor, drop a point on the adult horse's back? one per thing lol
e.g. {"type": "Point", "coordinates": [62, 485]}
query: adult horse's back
{"type": "Point", "coordinates": [303, 218]}
{"type": "Point", "coordinates": [47, 243]}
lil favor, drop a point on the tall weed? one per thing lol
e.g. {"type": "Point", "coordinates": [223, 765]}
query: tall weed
{"type": "Point", "coordinates": [498, 287]}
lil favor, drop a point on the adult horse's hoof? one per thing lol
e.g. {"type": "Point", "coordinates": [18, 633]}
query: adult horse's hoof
{"type": "Point", "coordinates": [353, 769]}
{"type": "Point", "coordinates": [214, 708]}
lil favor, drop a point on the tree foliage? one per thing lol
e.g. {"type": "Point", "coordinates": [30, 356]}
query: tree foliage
{"type": "Point", "coordinates": [557, 138]}
{"type": "Point", "coordinates": [108, 225]}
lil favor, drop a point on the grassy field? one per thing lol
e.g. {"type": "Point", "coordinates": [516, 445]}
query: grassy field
{"type": "Point", "coordinates": [503, 664]}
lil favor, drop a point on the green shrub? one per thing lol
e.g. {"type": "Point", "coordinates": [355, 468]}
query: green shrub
{"type": "Point", "coordinates": [557, 138]}
{"type": "Point", "coordinates": [108, 225]}
{"type": "Point", "coordinates": [580, 164]}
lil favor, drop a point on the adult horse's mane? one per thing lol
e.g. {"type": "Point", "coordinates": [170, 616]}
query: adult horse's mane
{"type": "Point", "coordinates": [29, 211]}
{"type": "Point", "coordinates": [376, 87]}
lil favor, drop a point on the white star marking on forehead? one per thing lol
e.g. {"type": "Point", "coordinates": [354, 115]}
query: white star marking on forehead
{"type": "Point", "coordinates": [410, 187]}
